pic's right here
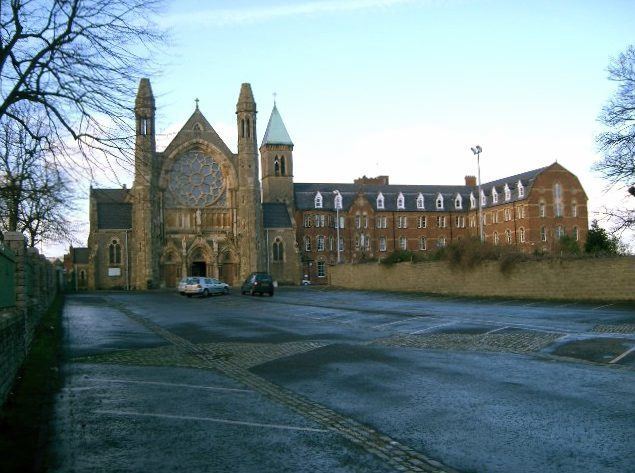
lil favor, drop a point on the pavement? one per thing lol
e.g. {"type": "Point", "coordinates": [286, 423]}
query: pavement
{"type": "Point", "coordinates": [317, 379]}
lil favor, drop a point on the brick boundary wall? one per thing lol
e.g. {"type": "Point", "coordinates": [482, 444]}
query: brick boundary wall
{"type": "Point", "coordinates": [601, 279]}
{"type": "Point", "coordinates": [36, 285]}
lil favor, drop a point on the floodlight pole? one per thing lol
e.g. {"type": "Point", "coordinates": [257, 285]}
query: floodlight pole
{"type": "Point", "coordinates": [477, 151]}
{"type": "Point", "coordinates": [337, 222]}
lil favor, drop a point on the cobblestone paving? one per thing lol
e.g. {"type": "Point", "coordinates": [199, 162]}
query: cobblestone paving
{"type": "Point", "coordinates": [618, 328]}
{"type": "Point", "coordinates": [397, 455]}
{"type": "Point", "coordinates": [245, 355]}
{"type": "Point", "coordinates": [514, 341]}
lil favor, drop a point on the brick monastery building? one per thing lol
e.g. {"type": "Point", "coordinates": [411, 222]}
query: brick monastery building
{"type": "Point", "coordinates": [198, 209]}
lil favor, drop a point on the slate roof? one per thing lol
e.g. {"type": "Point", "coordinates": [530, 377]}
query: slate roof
{"type": "Point", "coordinates": [114, 211]}
{"type": "Point", "coordinates": [276, 133]}
{"type": "Point", "coordinates": [80, 255]}
{"type": "Point", "coordinates": [305, 193]}
{"type": "Point", "coordinates": [275, 216]}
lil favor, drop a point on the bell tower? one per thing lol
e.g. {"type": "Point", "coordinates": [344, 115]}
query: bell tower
{"type": "Point", "coordinates": [276, 156]}
{"type": "Point", "coordinates": [249, 230]}
{"type": "Point", "coordinates": [144, 247]}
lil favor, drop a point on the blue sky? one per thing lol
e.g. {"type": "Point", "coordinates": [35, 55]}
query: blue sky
{"type": "Point", "coordinates": [403, 87]}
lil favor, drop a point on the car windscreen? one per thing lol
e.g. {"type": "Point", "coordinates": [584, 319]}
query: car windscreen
{"type": "Point", "coordinates": [192, 281]}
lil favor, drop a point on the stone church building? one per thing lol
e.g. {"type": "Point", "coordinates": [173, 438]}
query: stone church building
{"type": "Point", "coordinates": [198, 209]}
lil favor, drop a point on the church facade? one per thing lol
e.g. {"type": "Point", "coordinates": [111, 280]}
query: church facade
{"type": "Point", "coordinates": [198, 209]}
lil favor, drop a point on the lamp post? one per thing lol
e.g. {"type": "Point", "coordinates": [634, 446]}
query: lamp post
{"type": "Point", "coordinates": [477, 151]}
{"type": "Point", "coordinates": [338, 204]}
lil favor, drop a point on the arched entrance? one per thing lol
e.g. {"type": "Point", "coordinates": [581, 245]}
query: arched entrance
{"type": "Point", "coordinates": [228, 268]}
{"type": "Point", "coordinates": [198, 265]}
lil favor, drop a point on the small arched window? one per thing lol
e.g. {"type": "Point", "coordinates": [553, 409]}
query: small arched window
{"type": "Point", "coordinates": [248, 128]}
{"type": "Point", "coordinates": [420, 202]}
{"type": "Point", "coordinates": [541, 209]}
{"type": "Point", "coordinates": [318, 200]}
{"type": "Point", "coordinates": [307, 243]}
{"type": "Point", "coordinates": [521, 189]}
{"type": "Point", "coordinates": [276, 166]}
{"type": "Point", "coordinates": [508, 236]}
{"type": "Point", "coordinates": [439, 201]}
{"type": "Point", "coordinates": [574, 209]}
{"type": "Point", "coordinates": [472, 200]}
{"type": "Point", "coordinates": [283, 166]}
{"type": "Point", "coordinates": [458, 202]}
{"type": "Point", "coordinates": [576, 234]}
{"type": "Point", "coordinates": [557, 199]}
{"type": "Point", "coordinates": [278, 251]}
{"type": "Point", "coordinates": [508, 193]}
{"type": "Point", "coordinates": [401, 202]}
{"type": "Point", "coordinates": [242, 128]}
{"type": "Point", "coordinates": [483, 199]}
{"type": "Point", "coordinates": [380, 201]}
{"type": "Point", "coordinates": [114, 252]}
{"type": "Point", "coordinates": [522, 235]}
{"type": "Point", "coordinates": [494, 195]}
{"type": "Point", "coordinates": [496, 238]}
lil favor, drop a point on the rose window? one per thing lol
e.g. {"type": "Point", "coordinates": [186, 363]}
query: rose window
{"type": "Point", "coordinates": [195, 180]}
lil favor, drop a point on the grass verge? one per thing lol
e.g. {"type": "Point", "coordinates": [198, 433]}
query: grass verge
{"type": "Point", "coordinates": [25, 416]}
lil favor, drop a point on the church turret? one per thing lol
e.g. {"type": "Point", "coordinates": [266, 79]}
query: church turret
{"type": "Point", "coordinates": [145, 209]}
{"type": "Point", "coordinates": [276, 156]}
{"type": "Point", "coordinates": [249, 205]}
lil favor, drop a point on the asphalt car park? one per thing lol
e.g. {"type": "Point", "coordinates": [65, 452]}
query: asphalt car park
{"type": "Point", "coordinates": [317, 379]}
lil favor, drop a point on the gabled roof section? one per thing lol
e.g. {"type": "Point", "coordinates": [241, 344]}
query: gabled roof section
{"type": "Point", "coordinates": [110, 195]}
{"type": "Point", "coordinates": [198, 126]}
{"type": "Point", "coordinates": [276, 133]}
{"type": "Point", "coordinates": [114, 216]}
{"type": "Point", "coordinates": [275, 215]}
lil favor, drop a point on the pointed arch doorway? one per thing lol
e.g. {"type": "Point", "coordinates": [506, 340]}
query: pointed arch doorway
{"type": "Point", "coordinates": [198, 265]}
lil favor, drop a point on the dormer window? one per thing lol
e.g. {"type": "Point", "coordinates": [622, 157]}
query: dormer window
{"type": "Point", "coordinates": [338, 201]}
{"type": "Point", "coordinates": [380, 201]}
{"type": "Point", "coordinates": [420, 202]}
{"type": "Point", "coordinates": [472, 200]}
{"type": "Point", "coordinates": [458, 202]}
{"type": "Point", "coordinates": [508, 193]}
{"type": "Point", "coordinates": [483, 199]}
{"type": "Point", "coordinates": [494, 196]}
{"type": "Point", "coordinates": [439, 201]}
{"type": "Point", "coordinates": [521, 190]}
{"type": "Point", "coordinates": [318, 200]}
{"type": "Point", "coordinates": [401, 202]}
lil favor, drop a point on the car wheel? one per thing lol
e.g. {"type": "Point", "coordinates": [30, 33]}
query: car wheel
{"type": "Point", "coordinates": [205, 293]}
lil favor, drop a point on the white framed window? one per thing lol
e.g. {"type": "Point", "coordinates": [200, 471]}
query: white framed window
{"type": "Point", "coordinates": [319, 220]}
{"type": "Point", "coordinates": [357, 242]}
{"type": "Point", "coordinates": [439, 201]}
{"type": "Point", "coordinates": [472, 200]}
{"type": "Point", "coordinates": [366, 242]}
{"type": "Point", "coordinates": [358, 221]}
{"type": "Point", "coordinates": [341, 222]}
{"type": "Point", "coordinates": [557, 199]}
{"type": "Point", "coordinates": [522, 234]}
{"type": "Point", "coordinates": [496, 238]}
{"type": "Point", "coordinates": [576, 234]}
{"type": "Point", "coordinates": [401, 202]}
{"type": "Point", "coordinates": [402, 222]}
{"type": "Point", "coordinates": [559, 232]}
{"type": "Point", "coordinates": [574, 209]}
{"type": "Point", "coordinates": [541, 209]}
{"type": "Point", "coordinates": [382, 243]}
{"type": "Point", "coordinates": [320, 243]}
{"type": "Point", "coordinates": [422, 243]}
{"type": "Point", "coordinates": [403, 243]}
{"type": "Point", "coordinates": [380, 201]}
{"type": "Point", "coordinates": [508, 236]}
{"type": "Point", "coordinates": [508, 193]}
{"type": "Point", "coordinates": [543, 234]}
{"type": "Point", "coordinates": [307, 220]}
{"type": "Point", "coordinates": [483, 199]}
{"type": "Point", "coordinates": [341, 242]}
{"type": "Point", "coordinates": [338, 201]}
{"type": "Point", "coordinates": [318, 200]}
{"type": "Point", "coordinates": [441, 221]}
{"type": "Point", "coordinates": [494, 196]}
{"type": "Point", "coordinates": [422, 222]}
{"type": "Point", "coordinates": [472, 221]}
{"type": "Point", "coordinates": [441, 242]}
{"type": "Point", "coordinates": [321, 269]}
{"type": "Point", "coordinates": [460, 221]}
{"type": "Point", "coordinates": [458, 202]}
{"type": "Point", "coordinates": [521, 189]}
{"type": "Point", "coordinates": [420, 201]}
{"type": "Point", "coordinates": [365, 220]}
{"type": "Point", "coordinates": [507, 214]}
{"type": "Point", "coordinates": [331, 243]}
{"type": "Point", "coordinates": [307, 243]}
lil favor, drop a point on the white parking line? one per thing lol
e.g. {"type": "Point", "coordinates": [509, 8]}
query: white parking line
{"type": "Point", "coordinates": [603, 306]}
{"type": "Point", "coordinates": [496, 330]}
{"type": "Point", "coordinates": [618, 358]}
{"type": "Point", "coordinates": [208, 419]}
{"type": "Point", "coordinates": [178, 385]}
{"type": "Point", "coordinates": [400, 321]}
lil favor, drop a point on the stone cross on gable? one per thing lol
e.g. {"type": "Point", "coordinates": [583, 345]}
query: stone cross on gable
{"type": "Point", "coordinates": [196, 100]}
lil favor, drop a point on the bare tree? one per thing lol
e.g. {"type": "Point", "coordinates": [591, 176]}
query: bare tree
{"type": "Point", "coordinates": [617, 141]}
{"type": "Point", "coordinates": [76, 62]}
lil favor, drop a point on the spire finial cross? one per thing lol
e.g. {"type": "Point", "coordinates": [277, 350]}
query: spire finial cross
{"type": "Point", "coordinates": [274, 98]}
{"type": "Point", "coordinates": [196, 100]}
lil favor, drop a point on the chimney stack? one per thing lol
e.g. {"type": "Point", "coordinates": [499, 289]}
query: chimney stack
{"type": "Point", "coordinates": [470, 181]}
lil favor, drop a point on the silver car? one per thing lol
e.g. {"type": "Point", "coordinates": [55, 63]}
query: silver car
{"type": "Point", "coordinates": [200, 286]}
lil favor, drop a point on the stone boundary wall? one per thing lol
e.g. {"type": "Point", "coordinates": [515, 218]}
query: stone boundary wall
{"type": "Point", "coordinates": [36, 282]}
{"type": "Point", "coordinates": [601, 279]}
